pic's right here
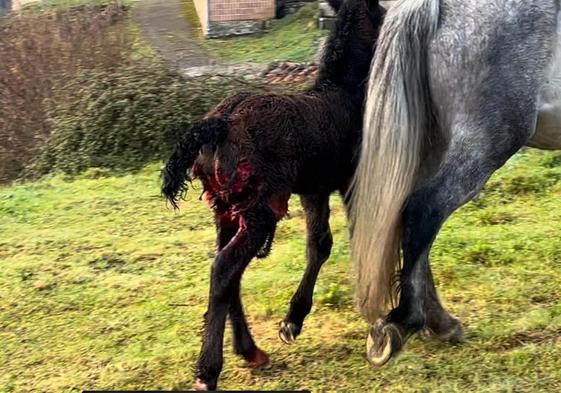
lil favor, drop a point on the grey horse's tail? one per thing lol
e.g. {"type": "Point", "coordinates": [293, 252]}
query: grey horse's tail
{"type": "Point", "coordinates": [398, 115]}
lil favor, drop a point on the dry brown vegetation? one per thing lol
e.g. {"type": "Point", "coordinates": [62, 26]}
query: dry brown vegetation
{"type": "Point", "coordinates": [42, 51]}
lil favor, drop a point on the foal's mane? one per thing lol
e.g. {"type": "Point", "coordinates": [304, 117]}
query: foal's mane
{"type": "Point", "coordinates": [348, 50]}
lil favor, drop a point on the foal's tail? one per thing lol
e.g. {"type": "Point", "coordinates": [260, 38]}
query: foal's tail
{"type": "Point", "coordinates": [398, 114]}
{"type": "Point", "coordinates": [176, 174]}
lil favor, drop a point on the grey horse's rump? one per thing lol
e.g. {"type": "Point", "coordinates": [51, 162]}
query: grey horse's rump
{"type": "Point", "coordinates": [499, 52]}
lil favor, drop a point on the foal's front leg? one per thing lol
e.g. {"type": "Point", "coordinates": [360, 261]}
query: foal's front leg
{"type": "Point", "coordinates": [318, 248]}
{"type": "Point", "coordinates": [227, 270]}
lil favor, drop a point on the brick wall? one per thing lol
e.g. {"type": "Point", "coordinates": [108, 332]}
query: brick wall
{"type": "Point", "coordinates": [241, 10]}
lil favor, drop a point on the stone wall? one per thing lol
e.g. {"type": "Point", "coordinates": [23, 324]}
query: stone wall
{"type": "Point", "coordinates": [293, 5]}
{"type": "Point", "coordinates": [233, 28]}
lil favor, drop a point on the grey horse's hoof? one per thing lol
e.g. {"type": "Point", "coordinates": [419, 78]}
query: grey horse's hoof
{"type": "Point", "coordinates": [288, 332]}
{"type": "Point", "coordinates": [385, 340]}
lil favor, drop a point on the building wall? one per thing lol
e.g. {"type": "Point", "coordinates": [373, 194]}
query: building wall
{"type": "Point", "coordinates": [241, 10]}
{"type": "Point", "coordinates": [202, 12]}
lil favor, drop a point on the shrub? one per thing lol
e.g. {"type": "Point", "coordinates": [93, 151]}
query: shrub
{"type": "Point", "coordinates": [124, 119]}
{"type": "Point", "coordinates": [41, 51]}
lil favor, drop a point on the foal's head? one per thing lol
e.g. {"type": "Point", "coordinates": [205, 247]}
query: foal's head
{"type": "Point", "coordinates": [350, 46]}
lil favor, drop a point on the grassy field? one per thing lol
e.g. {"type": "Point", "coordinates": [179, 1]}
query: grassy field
{"type": "Point", "coordinates": [103, 287]}
{"type": "Point", "coordinates": [294, 38]}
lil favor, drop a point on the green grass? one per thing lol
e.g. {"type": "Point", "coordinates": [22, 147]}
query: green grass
{"type": "Point", "coordinates": [294, 38]}
{"type": "Point", "coordinates": [103, 287]}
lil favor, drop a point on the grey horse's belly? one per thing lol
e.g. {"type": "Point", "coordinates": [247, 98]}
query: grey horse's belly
{"type": "Point", "coordinates": [548, 127]}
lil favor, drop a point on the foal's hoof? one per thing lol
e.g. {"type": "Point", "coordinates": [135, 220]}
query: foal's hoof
{"type": "Point", "coordinates": [451, 331]}
{"type": "Point", "coordinates": [200, 386]}
{"type": "Point", "coordinates": [258, 359]}
{"type": "Point", "coordinates": [385, 340]}
{"type": "Point", "coordinates": [288, 332]}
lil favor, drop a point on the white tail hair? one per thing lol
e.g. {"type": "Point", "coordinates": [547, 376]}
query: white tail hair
{"type": "Point", "coordinates": [398, 114]}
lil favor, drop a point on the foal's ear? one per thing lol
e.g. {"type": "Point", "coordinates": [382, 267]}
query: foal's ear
{"type": "Point", "coordinates": [374, 8]}
{"type": "Point", "coordinates": [335, 4]}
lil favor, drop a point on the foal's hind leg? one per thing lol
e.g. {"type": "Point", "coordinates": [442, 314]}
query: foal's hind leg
{"type": "Point", "coordinates": [474, 154]}
{"type": "Point", "coordinates": [318, 248]}
{"type": "Point", "coordinates": [227, 270]}
{"type": "Point", "coordinates": [244, 345]}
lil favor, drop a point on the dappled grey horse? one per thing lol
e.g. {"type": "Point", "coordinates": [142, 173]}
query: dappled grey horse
{"type": "Point", "coordinates": [456, 88]}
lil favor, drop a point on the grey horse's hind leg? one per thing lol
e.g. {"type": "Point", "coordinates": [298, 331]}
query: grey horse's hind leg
{"type": "Point", "coordinates": [475, 152]}
{"type": "Point", "coordinates": [318, 249]}
{"type": "Point", "coordinates": [441, 325]}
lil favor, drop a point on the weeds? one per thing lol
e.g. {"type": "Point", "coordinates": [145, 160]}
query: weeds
{"type": "Point", "coordinates": [41, 52]}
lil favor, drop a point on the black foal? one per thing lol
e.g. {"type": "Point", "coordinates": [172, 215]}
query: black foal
{"type": "Point", "coordinates": [251, 153]}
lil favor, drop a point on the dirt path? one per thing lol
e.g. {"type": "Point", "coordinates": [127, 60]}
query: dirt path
{"type": "Point", "coordinates": [165, 27]}
{"type": "Point", "coordinates": [167, 30]}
